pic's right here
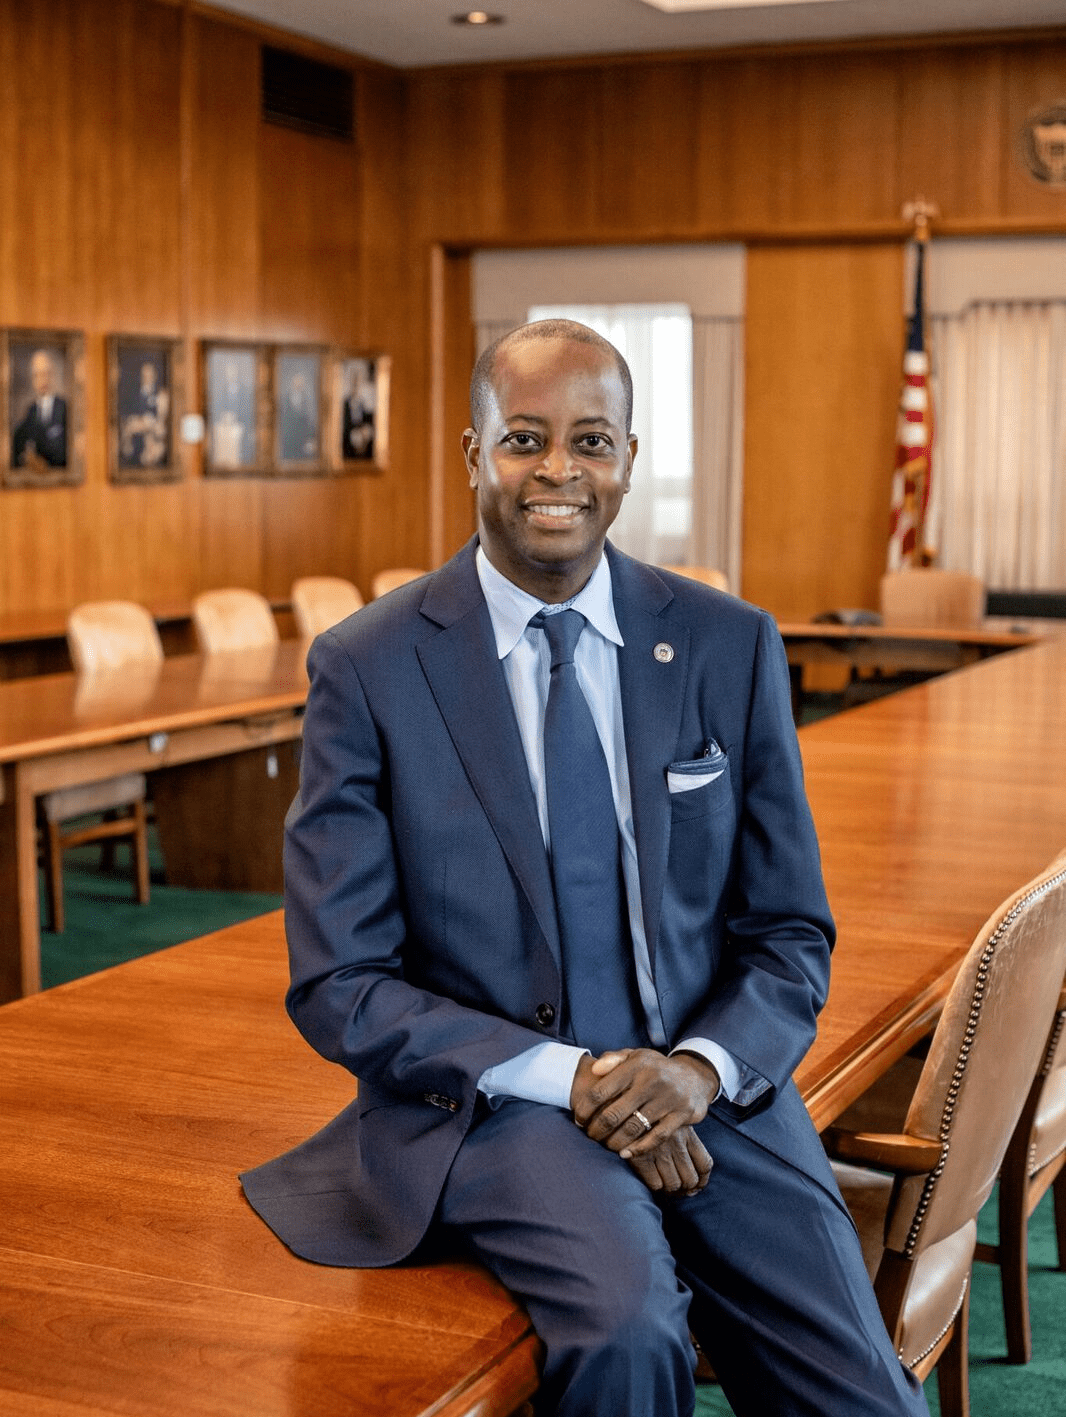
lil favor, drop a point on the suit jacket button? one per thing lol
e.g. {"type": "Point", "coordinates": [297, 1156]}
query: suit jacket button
{"type": "Point", "coordinates": [545, 1014]}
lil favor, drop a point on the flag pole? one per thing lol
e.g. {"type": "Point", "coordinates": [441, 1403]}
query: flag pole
{"type": "Point", "coordinates": [909, 543]}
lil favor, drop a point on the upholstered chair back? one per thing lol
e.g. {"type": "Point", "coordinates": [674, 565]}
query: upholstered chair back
{"type": "Point", "coordinates": [982, 1060]}
{"type": "Point", "coordinates": [931, 599]}
{"type": "Point", "coordinates": [112, 634]}
{"type": "Point", "coordinates": [233, 619]}
{"type": "Point", "coordinates": [319, 602]}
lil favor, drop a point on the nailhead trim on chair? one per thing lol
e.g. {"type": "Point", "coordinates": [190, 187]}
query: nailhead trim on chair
{"type": "Point", "coordinates": [987, 955]}
{"type": "Point", "coordinates": [1053, 1043]}
{"type": "Point", "coordinates": [921, 1357]}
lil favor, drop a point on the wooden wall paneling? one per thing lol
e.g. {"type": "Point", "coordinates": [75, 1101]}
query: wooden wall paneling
{"type": "Point", "coordinates": [823, 359]}
{"type": "Point", "coordinates": [457, 153]}
{"type": "Point", "coordinates": [846, 123]}
{"type": "Point", "coordinates": [453, 351]}
{"type": "Point", "coordinates": [313, 527]}
{"type": "Point", "coordinates": [553, 165]}
{"type": "Point", "coordinates": [39, 86]}
{"type": "Point", "coordinates": [231, 547]}
{"type": "Point", "coordinates": [126, 164]}
{"type": "Point", "coordinates": [1035, 78]}
{"type": "Point", "coordinates": [223, 228]}
{"type": "Point", "coordinates": [392, 506]}
{"type": "Point", "coordinates": [308, 236]}
{"type": "Point", "coordinates": [650, 147]}
{"type": "Point", "coordinates": [733, 129]}
{"type": "Point", "coordinates": [950, 132]}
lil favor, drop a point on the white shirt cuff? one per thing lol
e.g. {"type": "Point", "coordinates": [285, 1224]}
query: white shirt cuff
{"type": "Point", "coordinates": [543, 1073]}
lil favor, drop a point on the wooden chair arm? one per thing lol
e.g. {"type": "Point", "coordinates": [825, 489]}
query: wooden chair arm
{"type": "Point", "coordinates": [893, 1151]}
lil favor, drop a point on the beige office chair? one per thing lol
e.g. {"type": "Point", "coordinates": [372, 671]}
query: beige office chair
{"type": "Point", "coordinates": [106, 638]}
{"type": "Point", "coordinates": [392, 579]}
{"type": "Point", "coordinates": [708, 575]}
{"type": "Point", "coordinates": [917, 1212]}
{"type": "Point", "coordinates": [233, 619]}
{"type": "Point", "coordinates": [112, 634]}
{"type": "Point", "coordinates": [1034, 1164]}
{"type": "Point", "coordinates": [319, 602]}
{"type": "Point", "coordinates": [930, 599]}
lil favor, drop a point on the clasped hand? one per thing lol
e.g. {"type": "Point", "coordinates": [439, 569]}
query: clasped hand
{"type": "Point", "coordinates": [673, 1093]}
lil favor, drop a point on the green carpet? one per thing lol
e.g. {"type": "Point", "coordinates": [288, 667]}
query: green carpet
{"type": "Point", "coordinates": [105, 926]}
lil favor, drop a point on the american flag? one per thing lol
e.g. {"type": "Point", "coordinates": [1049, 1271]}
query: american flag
{"type": "Point", "coordinates": [908, 544]}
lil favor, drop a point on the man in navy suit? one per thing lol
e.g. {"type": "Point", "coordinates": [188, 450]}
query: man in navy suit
{"type": "Point", "coordinates": [425, 948]}
{"type": "Point", "coordinates": [40, 439]}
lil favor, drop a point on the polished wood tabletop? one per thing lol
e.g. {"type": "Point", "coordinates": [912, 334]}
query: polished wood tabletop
{"type": "Point", "coordinates": [932, 806]}
{"type": "Point", "coordinates": [136, 1279]}
{"type": "Point", "coordinates": [60, 712]}
{"type": "Point", "coordinates": [201, 724]}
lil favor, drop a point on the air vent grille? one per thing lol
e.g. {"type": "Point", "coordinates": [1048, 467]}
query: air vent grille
{"type": "Point", "coordinates": [303, 93]}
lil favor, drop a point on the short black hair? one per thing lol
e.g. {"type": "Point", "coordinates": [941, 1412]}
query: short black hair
{"type": "Point", "coordinates": [485, 367]}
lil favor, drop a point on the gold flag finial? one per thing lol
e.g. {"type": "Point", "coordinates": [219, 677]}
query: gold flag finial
{"type": "Point", "coordinates": [920, 213]}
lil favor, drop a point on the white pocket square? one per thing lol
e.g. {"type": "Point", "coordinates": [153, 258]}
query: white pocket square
{"type": "Point", "coordinates": [689, 781]}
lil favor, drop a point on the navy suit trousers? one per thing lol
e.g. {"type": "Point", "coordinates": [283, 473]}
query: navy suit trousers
{"type": "Point", "coordinates": [764, 1266]}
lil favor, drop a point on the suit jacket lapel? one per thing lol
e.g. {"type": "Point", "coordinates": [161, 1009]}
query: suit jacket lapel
{"type": "Point", "coordinates": [652, 680]}
{"type": "Point", "coordinates": [469, 687]}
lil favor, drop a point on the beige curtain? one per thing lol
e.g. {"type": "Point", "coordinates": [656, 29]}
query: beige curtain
{"type": "Point", "coordinates": [998, 502]}
{"type": "Point", "coordinates": [718, 445]}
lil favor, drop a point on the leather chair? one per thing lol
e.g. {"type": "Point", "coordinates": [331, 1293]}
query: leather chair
{"type": "Point", "coordinates": [931, 599]}
{"type": "Point", "coordinates": [1035, 1163]}
{"type": "Point", "coordinates": [105, 637]}
{"type": "Point", "coordinates": [707, 574]}
{"type": "Point", "coordinates": [392, 579]}
{"type": "Point", "coordinates": [915, 1184]}
{"type": "Point", "coordinates": [233, 619]}
{"type": "Point", "coordinates": [319, 602]}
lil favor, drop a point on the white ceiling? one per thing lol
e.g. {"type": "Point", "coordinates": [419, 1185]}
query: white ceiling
{"type": "Point", "coordinates": [411, 33]}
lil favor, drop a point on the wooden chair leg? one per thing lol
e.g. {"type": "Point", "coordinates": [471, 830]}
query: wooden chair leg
{"type": "Point", "coordinates": [140, 852]}
{"type": "Point", "coordinates": [1013, 1259]}
{"type": "Point", "coordinates": [1058, 1191]}
{"type": "Point", "coordinates": [952, 1371]}
{"type": "Point", "coordinates": [53, 877]}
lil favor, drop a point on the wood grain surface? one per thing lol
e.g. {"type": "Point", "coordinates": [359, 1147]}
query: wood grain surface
{"type": "Point", "coordinates": [932, 806]}
{"type": "Point", "coordinates": [133, 1275]}
{"type": "Point", "coordinates": [134, 1278]}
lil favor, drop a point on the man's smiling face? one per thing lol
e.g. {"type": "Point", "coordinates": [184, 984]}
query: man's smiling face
{"type": "Point", "coordinates": [550, 463]}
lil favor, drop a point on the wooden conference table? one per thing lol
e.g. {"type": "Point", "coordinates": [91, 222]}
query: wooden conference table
{"type": "Point", "coordinates": [208, 727]}
{"type": "Point", "coordinates": [814, 644]}
{"type": "Point", "coordinates": [135, 1279]}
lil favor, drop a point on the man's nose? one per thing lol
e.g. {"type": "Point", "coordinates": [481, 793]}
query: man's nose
{"type": "Point", "coordinates": [557, 465]}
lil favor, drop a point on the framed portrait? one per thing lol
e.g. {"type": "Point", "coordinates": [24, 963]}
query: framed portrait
{"type": "Point", "coordinates": [298, 410]}
{"type": "Point", "coordinates": [360, 433]}
{"type": "Point", "coordinates": [42, 408]}
{"type": "Point", "coordinates": [236, 404]}
{"type": "Point", "coordinates": [145, 400]}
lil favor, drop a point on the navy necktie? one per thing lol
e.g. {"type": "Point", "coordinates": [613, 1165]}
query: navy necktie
{"type": "Point", "coordinates": [586, 861]}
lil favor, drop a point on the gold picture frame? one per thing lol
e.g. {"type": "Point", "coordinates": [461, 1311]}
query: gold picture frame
{"type": "Point", "coordinates": [42, 408]}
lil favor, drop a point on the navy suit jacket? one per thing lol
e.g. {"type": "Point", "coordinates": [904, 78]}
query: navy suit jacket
{"type": "Point", "coordinates": [419, 910]}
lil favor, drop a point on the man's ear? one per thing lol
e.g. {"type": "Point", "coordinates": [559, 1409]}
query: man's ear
{"type": "Point", "coordinates": [472, 454]}
{"type": "Point", "coordinates": [632, 441]}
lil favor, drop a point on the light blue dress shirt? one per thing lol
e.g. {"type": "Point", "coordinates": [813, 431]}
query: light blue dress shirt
{"type": "Point", "coordinates": [545, 1072]}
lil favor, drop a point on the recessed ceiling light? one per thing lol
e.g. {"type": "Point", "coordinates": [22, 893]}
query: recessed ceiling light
{"type": "Point", "coordinates": [477, 17]}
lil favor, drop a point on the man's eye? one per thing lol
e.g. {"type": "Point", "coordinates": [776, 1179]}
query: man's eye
{"type": "Point", "coordinates": [594, 442]}
{"type": "Point", "coordinates": [521, 440]}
